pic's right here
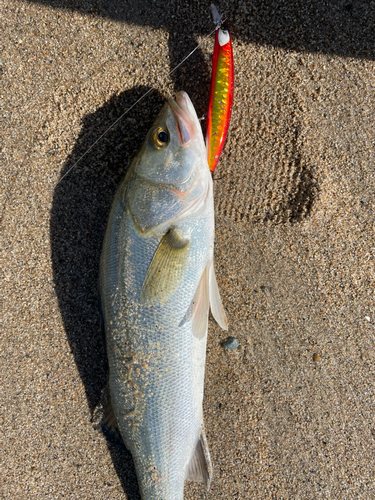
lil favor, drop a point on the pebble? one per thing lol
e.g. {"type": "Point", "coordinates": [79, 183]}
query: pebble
{"type": "Point", "coordinates": [231, 343]}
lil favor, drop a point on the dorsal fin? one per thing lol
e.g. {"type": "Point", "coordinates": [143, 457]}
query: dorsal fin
{"type": "Point", "coordinates": [104, 415]}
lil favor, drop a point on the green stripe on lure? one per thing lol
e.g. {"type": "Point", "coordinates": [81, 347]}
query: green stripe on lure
{"type": "Point", "coordinates": [221, 93]}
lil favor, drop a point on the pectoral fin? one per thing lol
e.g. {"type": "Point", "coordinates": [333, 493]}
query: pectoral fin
{"type": "Point", "coordinates": [166, 268]}
{"type": "Point", "coordinates": [200, 466]}
{"type": "Point", "coordinates": [217, 308]}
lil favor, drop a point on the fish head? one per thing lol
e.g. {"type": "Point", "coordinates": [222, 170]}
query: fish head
{"type": "Point", "coordinates": [174, 153]}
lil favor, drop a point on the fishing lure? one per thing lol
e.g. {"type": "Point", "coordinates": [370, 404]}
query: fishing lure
{"type": "Point", "coordinates": [221, 93]}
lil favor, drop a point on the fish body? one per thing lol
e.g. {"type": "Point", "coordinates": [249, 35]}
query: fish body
{"type": "Point", "coordinates": [157, 282]}
{"type": "Point", "coordinates": [221, 92]}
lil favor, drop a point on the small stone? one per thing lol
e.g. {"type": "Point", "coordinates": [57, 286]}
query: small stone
{"type": "Point", "coordinates": [317, 358]}
{"type": "Point", "coordinates": [231, 343]}
{"type": "Point", "coordinates": [368, 318]}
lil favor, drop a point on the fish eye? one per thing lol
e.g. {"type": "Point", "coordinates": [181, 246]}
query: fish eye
{"type": "Point", "coordinates": [160, 138]}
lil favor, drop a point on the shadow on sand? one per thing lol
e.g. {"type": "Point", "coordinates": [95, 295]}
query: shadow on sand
{"type": "Point", "coordinates": [341, 27]}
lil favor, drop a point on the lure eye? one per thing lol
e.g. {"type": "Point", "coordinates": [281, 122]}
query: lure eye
{"type": "Point", "coordinates": [160, 138]}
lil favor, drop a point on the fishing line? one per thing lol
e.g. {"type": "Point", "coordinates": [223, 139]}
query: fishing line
{"type": "Point", "coordinates": [133, 105]}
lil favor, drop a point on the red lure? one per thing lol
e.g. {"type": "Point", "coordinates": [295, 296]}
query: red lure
{"type": "Point", "coordinates": [221, 93]}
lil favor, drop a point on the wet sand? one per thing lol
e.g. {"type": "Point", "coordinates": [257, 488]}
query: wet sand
{"type": "Point", "coordinates": [289, 413]}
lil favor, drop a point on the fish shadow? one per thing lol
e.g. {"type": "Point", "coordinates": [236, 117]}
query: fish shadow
{"type": "Point", "coordinates": [80, 208]}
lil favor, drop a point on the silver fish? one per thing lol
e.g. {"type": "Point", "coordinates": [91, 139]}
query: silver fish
{"type": "Point", "coordinates": [157, 282]}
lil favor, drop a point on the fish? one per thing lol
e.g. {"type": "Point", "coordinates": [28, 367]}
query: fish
{"type": "Point", "coordinates": [157, 283]}
{"type": "Point", "coordinates": [221, 91]}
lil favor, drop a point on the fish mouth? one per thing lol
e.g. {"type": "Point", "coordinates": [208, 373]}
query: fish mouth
{"type": "Point", "coordinates": [181, 109]}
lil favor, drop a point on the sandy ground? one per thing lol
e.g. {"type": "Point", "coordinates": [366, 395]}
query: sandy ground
{"type": "Point", "coordinates": [290, 413]}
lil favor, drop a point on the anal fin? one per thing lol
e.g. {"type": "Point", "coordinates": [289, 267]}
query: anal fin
{"type": "Point", "coordinates": [200, 465]}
